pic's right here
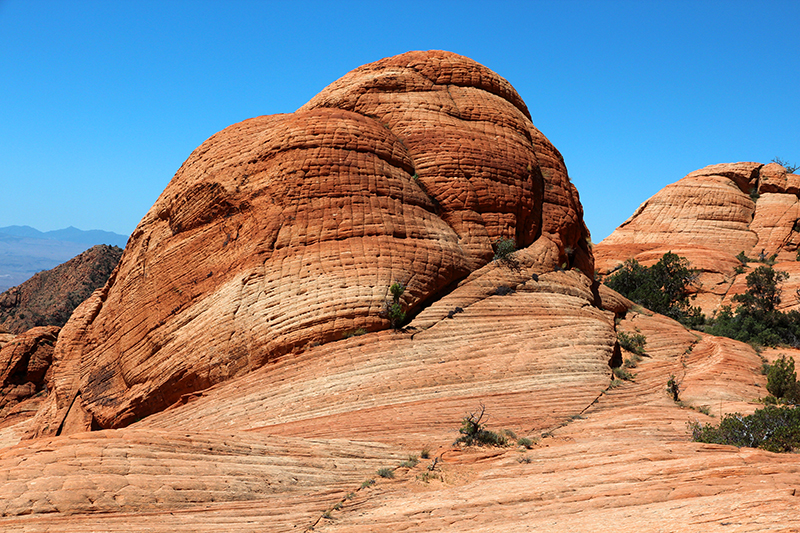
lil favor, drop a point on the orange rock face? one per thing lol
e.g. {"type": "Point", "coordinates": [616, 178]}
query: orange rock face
{"type": "Point", "coordinates": [286, 231]}
{"type": "Point", "coordinates": [709, 217]}
{"type": "Point", "coordinates": [25, 366]}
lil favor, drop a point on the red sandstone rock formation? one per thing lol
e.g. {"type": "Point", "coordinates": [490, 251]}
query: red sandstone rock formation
{"type": "Point", "coordinates": [709, 217]}
{"type": "Point", "coordinates": [281, 233]}
{"type": "Point", "coordinates": [25, 366]}
{"type": "Point", "coordinates": [286, 231]}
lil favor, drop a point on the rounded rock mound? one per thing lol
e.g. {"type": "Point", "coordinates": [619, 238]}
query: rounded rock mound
{"type": "Point", "coordinates": [725, 219]}
{"type": "Point", "coordinates": [286, 231]}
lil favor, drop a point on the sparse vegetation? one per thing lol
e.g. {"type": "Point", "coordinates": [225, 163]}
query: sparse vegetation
{"type": "Point", "coordinates": [474, 433]}
{"type": "Point", "coordinates": [775, 429]}
{"type": "Point", "coordinates": [623, 374]}
{"type": "Point", "coordinates": [454, 312]}
{"type": "Point", "coordinates": [411, 462]}
{"type": "Point", "coordinates": [790, 168]}
{"type": "Point", "coordinates": [367, 483]}
{"type": "Point", "coordinates": [386, 472]}
{"type": "Point", "coordinates": [662, 288]}
{"type": "Point", "coordinates": [394, 310]}
{"type": "Point", "coordinates": [504, 290]}
{"type": "Point", "coordinates": [633, 342]}
{"type": "Point", "coordinates": [525, 442]}
{"type": "Point", "coordinates": [503, 248]}
{"type": "Point", "coordinates": [525, 459]}
{"type": "Point", "coordinates": [425, 453]}
{"type": "Point", "coordinates": [674, 388]}
{"type": "Point", "coordinates": [354, 333]}
{"type": "Point", "coordinates": [615, 383]}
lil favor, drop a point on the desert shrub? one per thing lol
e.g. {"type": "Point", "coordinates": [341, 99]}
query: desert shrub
{"type": "Point", "coordinates": [525, 442]}
{"type": "Point", "coordinates": [474, 433]}
{"type": "Point", "coordinates": [633, 342]}
{"type": "Point", "coordinates": [782, 380]}
{"type": "Point", "coordinates": [386, 472]}
{"type": "Point", "coordinates": [775, 429]}
{"type": "Point", "coordinates": [743, 258]}
{"type": "Point", "coordinates": [503, 248]}
{"type": "Point", "coordinates": [662, 288]}
{"type": "Point", "coordinates": [504, 290]}
{"type": "Point", "coordinates": [623, 373]}
{"type": "Point", "coordinates": [673, 387]}
{"type": "Point", "coordinates": [394, 310]}
{"type": "Point", "coordinates": [411, 462]}
{"type": "Point", "coordinates": [425, 453]}
{"type": "Point", "coordinates": [790, 168]}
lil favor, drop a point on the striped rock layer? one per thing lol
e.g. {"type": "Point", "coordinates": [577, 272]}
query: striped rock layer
{"type": "Point", "coordinates": [710, 216]}
{"type": "Point", "coordinates": [284, 232]}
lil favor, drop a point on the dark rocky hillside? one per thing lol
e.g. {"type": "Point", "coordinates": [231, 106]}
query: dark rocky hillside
{"type": "Point", "coordinates": [49, 297]}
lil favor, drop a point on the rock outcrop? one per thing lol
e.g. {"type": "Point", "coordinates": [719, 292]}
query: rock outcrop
{"type": "Point", "coordinates": [50, 297]}
{"type": "Point", "coordinates": [709, 217]}
{"type": "Point", "coordinates": [25, 366]}
{"type": "Point", "coordinates": [286, 231]}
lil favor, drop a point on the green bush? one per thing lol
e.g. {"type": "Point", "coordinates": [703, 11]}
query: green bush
{"type": "Point", "coordinates": [394, 310]}
{"type": "Point", "coordinates": [782, 380]}
{"type": "Point", "coordinates": [386, 472]}
{"type": "Point", "coordinates": [633, 342]}
{"type": "Point", "coordinates": [503, 248]}
{"type": "Point", "coordinates": [662, 288]}
{"type": "Point", "coordinates": [775, 429]}
{"type": "Point", "coordinates": [525, 442]}
{"type": "Point", "coordinates": [623, 373]}
{"type": "Point", "coordinates": [674, 388]}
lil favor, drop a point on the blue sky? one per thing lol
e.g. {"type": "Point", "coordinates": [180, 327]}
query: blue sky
{"type": "Point", "coordinates": [101, 102]}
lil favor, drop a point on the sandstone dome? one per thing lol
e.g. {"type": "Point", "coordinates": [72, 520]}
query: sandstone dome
{"type": "Point", "coordinates": [284, 232]}
{"type": "Point", "coordinates": [711, 216]}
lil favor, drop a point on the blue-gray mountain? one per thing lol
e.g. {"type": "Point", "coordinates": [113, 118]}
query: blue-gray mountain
{"type": "Point", "coordinates": [24, 250]}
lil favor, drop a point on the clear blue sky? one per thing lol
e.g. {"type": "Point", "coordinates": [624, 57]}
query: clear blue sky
{"type": "Point", "coordinates": [101, 101]}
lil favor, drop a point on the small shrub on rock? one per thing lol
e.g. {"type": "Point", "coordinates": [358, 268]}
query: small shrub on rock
{"type": "Point", "coordinates": [386, 472]}
{"type": "Point", "coordinates": [633, 342]}
{"type": "Point", "coordinates": [474, 433]}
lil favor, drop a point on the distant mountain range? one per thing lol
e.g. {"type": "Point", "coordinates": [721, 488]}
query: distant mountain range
{"type": "Point", "coordinates": [24, 250]}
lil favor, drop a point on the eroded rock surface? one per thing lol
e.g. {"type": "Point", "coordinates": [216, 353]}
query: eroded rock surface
{"type": "Point", "coordinates": [25, 366]}
{"type": "Point", "coordinates": [286, 231]}
{"type": "Point", "coordinates": [709, 217]}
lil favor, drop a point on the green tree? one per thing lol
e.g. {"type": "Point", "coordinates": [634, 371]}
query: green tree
{"type": "Point", "coordinates": [662, 288]}
{"type": "Point", "coordinates": [782, 380]}
{"type": "Point", "coordinates": [756, 320]}
{"type": "Point", "coordinates": [763, 290]}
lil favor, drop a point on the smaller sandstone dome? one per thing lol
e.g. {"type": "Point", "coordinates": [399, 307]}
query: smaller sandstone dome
{"type": "Point", "coordinates": [709, 217]}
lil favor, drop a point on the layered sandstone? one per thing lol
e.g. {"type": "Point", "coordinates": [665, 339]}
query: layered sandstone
{"type": "Point", "coordinates": [286, 231]}
{"type": "Point", "coordinates": [25, 367]}
{"type": "Point", "coordinates": [241, 342]}
{"type": "Point", "coordinates": [237, 459]}
{"type": "Point", "coordinates": [709, 217]}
